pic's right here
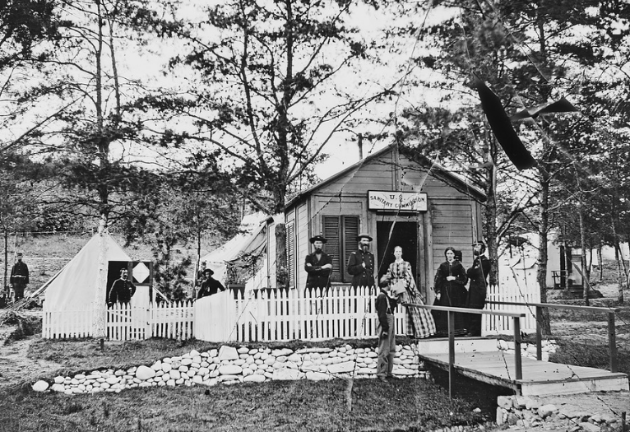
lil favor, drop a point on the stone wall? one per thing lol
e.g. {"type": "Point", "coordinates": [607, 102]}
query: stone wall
{"type": "Point", "coordinates": [529, 349]}
{"type": "Point", "coordinates": [229, 365]}
{"type": "Point", "coordinates": [529, 413]}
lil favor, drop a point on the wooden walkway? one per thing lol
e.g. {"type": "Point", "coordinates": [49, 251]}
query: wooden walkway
{"type": "Point", "coordinates": [481, 360]}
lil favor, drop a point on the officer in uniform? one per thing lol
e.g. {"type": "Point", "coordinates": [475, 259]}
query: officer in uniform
{"type": "Point", "coordinates": [318, 265]}
{"type": "Point", "coordinates": [361, 263]}
{"type": "Point", "coordinates": [478, 276]}
{"type": "Point", "coordinates": [19, 277]}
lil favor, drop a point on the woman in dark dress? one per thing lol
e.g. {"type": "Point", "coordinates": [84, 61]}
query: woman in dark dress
{"type": "Point", "coordinates": [450, 290]}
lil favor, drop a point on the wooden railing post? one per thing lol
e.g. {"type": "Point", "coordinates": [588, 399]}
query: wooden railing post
{"type": "Point", "coordinates": [612, 342]}
{"type": "Point", "coordinates": [517, 348]}
{"type": "Point", "coordinates": [539, 317]}
{"type": "Point", "coordinates": [451, 352]}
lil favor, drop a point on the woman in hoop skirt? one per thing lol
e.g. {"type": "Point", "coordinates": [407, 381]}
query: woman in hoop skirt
{"type": "Point", "coordinates": [420, 323]}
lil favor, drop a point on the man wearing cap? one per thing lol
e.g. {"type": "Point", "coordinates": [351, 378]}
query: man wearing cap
{"type": "Point", "coordinates": [318, 265]}
{"type": "Point", "coordinates": [210, 285]}
{"type": "Point", "coordinates": [361, 263]}
{"type": "Point", "coordinates": [19, 277]}
{"type": "Point", "coordinates": [478, 275]}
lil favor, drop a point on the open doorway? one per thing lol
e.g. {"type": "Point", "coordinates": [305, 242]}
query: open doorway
{"type": "Point", "coordinates": [403, 234]}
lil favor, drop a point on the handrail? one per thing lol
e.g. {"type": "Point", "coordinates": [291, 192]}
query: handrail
{"type": "Point", "coordinates": [516, 316]}
{"type": "Point", "coordinates": [612, 337]}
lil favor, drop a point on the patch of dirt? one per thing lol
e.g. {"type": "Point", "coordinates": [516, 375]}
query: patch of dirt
{"type": "Point", "coordinates": [15, 365]}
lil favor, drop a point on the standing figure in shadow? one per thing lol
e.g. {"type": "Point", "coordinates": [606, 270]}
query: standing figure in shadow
{"type": "Point", "coordinates": [450, 290]}
{"type": "Point", "coordinates": [399, 277]}
{"type": "Point", "coordinates": [478, 275]}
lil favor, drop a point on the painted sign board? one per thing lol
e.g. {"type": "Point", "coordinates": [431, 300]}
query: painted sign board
{"type": "Point", "coordinates": [397, 201]}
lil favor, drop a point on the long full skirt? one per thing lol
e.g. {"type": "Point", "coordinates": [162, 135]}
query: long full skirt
{"type": "Point", "coordinates": [420, 323]}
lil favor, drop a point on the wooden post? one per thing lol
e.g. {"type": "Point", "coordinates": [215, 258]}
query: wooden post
{"type": "Point", "coordinates": [517, 348]}
{"type": "Point", "coordinates": [612, 342]}
{"type": "Point", "coordinates": [451, 352]}
{"type": "Point", "coordinates": [539, 316]}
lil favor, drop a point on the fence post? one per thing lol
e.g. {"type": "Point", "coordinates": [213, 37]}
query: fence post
{"type": "Point", "coordinates": [451, 352]}
{"type": "Point", "coordinates": [517, 348]}
{"type": "Point", "coordinates": [612, 342]}
{"type": "Point", "coordinates": [539, 315]}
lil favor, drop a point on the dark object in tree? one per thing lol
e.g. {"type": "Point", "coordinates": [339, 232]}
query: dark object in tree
{"type": "Point", "coordinates": [502, 128]}
{"type": "Point", "coordinates": [561, 105]}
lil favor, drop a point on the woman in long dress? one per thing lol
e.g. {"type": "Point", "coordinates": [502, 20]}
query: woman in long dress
{"type": "Point", "coordinates": [450, 281]}
{"type": "Point", "coordinates": [420, 323]}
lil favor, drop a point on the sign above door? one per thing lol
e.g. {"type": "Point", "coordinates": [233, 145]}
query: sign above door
{"type": "Point", "coordinates": [395, 201]}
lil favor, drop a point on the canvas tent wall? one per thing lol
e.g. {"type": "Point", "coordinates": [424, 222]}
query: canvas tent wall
{"type": "Point", "coordinates": [81, 285]}
{"type": "Point", "coordinates": [250, 246]}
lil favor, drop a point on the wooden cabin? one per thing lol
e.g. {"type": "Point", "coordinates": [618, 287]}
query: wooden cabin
{"type": "Point", "coordinates": [400, 200]}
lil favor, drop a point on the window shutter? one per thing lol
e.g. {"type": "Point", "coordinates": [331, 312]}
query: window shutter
{"type": "Point", "coordinates": [350, 244]}
{"type": "Point", "coordinates": [332, 247]}
{"type": "Point", "coordinates": [291, 254]}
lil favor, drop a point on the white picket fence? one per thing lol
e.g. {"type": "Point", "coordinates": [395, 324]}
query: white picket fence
{"type": "Point", "coordinates": [283, 315]}
{"type": "Point", "coordinates": [68, 324]}
{"type": "Point", "coordinates": [270, 315]}
{"type": "Point", "coordinates": [510, 292]}
{"type": "Point", "coordinates": [124, 322]}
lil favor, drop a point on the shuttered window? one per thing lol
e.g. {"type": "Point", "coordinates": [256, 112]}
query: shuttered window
{"type": "Point", "coordinates": [341, 233]}
{"type": "Point", "coordinates": [291, 268]}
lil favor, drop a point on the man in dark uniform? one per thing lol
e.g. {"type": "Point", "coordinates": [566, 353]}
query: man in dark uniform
{"type": "Point", "coordinates": [318, 265]}
{"type": "Point", "coordinates": [209, 286]}
{"type": "Point", "coordinates": [19, 277]}
{"type": "Point", "coordinates": [122, 289]}
{"type": "Point", "coordinates": [478, 275]}
{"type": "Point", "coordinates": [361, 263]}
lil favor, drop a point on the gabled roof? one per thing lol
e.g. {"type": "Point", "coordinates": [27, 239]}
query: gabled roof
{"type": "Point", "coordinates": [437, 170]}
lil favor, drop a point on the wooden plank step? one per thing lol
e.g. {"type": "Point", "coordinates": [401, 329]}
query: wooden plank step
{"type": "Point", "coordinates": [462, 345]}
{"type": "Point", "coordinates": [539, 377]}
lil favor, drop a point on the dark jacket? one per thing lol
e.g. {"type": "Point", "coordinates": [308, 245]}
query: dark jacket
{"type": "Point", "coordinates": [19, 273]}
{"type": "Point", "coordinates": [478, 275]}
{"type": "Point", "coordinates": [209, 287]}
{"type": "Point", "coordinates": [383, 302]}
{"type": "Point", "coordinates": [121, 291]}
{"type": "Point", "coordinates": [361, 276]}
{"type": "Point", "coordinates": [317, 277]}
{"type": "Point", "coordinates": [453, 292]}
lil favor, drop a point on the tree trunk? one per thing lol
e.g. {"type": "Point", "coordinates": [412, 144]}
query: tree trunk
{"type": "Point", "coordinates": [543, 231]}
{"type": "Point", "coordinates": [6, 263]}
{"type": "Point", "coordinates": [282, 277]}
{"type": "Point", "coordinates": [601, 262]}
{"type": "Point", "coordinates": [585, 282]}
{"type": "Point", "coordinates": [491, 217]}
{"type": "Point", "coordinates": [620, 263]}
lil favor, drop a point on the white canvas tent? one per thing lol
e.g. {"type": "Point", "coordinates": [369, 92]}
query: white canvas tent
{"type": "Point", "coordinates": [251, 240]}
{"type": "Point", "coordinates": [81, 283]}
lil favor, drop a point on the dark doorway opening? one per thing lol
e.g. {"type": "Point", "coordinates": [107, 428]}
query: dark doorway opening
{"type": "Point", "coordinates": [403, 234]}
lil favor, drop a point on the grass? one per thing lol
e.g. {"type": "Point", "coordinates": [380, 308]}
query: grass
{"type": "Point", "coordinates": [589, 355]}
{"type": "Point", "coordinates": [405, 405]}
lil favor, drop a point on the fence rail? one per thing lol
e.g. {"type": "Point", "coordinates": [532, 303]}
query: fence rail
{"type": "Point", "coordinates": [124, 322]}
{"type": "Point", "coordinates": [282, 315]}
{"type": "Point", "coordinates": [271, 315]}
{"type": "Point", "coordinates": [515, 298]}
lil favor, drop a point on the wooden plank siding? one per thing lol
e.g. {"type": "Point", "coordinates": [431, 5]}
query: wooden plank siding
{"type": "Point", "coordinates": [453, 224]}
{"type": "Point", "coordinates": [375, 174]}
{"type": "Point", "coordinates": [302, 243]}
{"type": "Point", "coordinates": [452, 219]}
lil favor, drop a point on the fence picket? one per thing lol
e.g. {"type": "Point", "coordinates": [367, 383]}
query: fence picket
{"type": "Point", "coordinates": [270, 315]}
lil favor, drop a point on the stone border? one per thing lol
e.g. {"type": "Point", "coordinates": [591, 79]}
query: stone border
{"type": "Point", "coordinates": [229, 365]}
{"type": "Point", "coordinates": [527, 412]}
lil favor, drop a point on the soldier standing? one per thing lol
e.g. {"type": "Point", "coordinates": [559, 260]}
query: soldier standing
{"type": "Point", "coordinates": [361, 263]}
{"type": "Point", "coordinates": [19, 277]}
